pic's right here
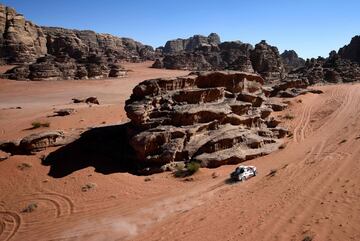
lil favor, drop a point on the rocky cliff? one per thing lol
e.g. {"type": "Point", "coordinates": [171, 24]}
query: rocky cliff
{"type": "Point", "coordinates": [213, 118]}
{"type": "Point", "coordinates": [352, 50]}
{"type": "Point", "coordinates": [20, 40]}
{"type": "Point", "coordinates": [291, 60]}
{"type": "Point", "coordinates": [58, 53]}
{"type": "Point", "coordinates": [190, 44]}
{"type": "Point", "coordinates": [234, 55]}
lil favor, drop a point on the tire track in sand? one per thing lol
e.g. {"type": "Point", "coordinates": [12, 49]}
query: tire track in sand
{"type": "Point", "coordinates": [10, 224]}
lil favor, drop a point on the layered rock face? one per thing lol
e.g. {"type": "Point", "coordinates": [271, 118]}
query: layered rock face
{"type": "Point", "coordinates": [214, 118]}
{"type": "Point", "coordinates": [266, 61]}
{"type": "Point", "coordinates": [80, 44]}
{"type": "Point", "coordinates": [50, 67]}
{"type": "Point", "coordinates": [20, 40]}
{"type": "Point", "coordinates": [227, 55]}
{"type": "Point", "coordinates": [235, 55]}
{"type": "Point", "coordinates": [352, 50]}
{"type": "Point", "coordinates": [48, 53]}
{"type": "Point", "coordinates": [190, 44]}
{"type": "Point", "coordinates": [291, 60]}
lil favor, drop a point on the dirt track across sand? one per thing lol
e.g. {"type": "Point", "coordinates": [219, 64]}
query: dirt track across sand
{"type": "Point", "coordinates": [314, 192]}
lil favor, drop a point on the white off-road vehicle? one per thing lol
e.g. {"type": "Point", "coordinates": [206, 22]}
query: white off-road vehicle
{"type": "Point", "coordinates": [242, 173]}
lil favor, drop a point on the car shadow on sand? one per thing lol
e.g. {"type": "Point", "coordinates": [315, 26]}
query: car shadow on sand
{"type": "Point", "coordinates": [104, 148]}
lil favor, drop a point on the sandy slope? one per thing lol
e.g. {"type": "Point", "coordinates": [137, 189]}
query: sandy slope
{"type": "Point", "coordinates": [315, 191]}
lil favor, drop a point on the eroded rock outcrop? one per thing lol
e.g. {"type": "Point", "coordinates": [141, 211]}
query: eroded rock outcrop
{"type": "Point", "coordinates": [50, 53]}
{"type": "Point", "coordinates": [333, 69]}
{"type": "Point", "coordinates": [352, 50]}
{"type": "Point", "coordinates": [214, 118]}
{"type": "Point", "coordinates": [20, 40]}
{"type": "Point", "coordinates": [291, 60]}
{"type": "Point", "coordinates": [50, 67]}
{"type": "Point", "coordinates": [33, 143]}
{"type": "Point", "coordinates": [234, 55]}
{"type": "Point", "coordinates": [190, 44]}
{"type": "Point", "coordinates": [266, 61]}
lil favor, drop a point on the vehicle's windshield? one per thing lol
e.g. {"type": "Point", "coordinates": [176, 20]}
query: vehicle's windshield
{"type": "Point", "coordinates": [240, 170]}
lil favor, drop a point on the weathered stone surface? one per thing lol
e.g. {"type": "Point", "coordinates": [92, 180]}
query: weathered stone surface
{"type": "Point", "coordinates": [352, 50]}
{"type": "Point", "coordinates": [50, 67]}
{"type": "Point", "coordinates": [210, 117]}
{"type": "Point", "coordinates": [20, 40]}
{"type": "Point", "coordinates": [37, 142]}
{"type": "Point", "coordinates": [190, 44]}
{"type": "Point", "coordinates": [50, 53]}
{"type": "Point", "coordinates": [33, 143]}
{"type": "Point", "coordinates": [234, 55]}
{"type": "Point", "coordinates": [266, 61]}
{"type": "Point", "coordinates": [333, 69]}
{"type": "Point", "coordinates": [291, 60]}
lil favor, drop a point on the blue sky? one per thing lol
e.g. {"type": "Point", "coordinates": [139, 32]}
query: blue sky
{"type": "Point", "coordinates": [310, 27]}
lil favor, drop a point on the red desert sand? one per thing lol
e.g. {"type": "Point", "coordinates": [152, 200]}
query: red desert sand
{"type": "Point", "coordinates": [313, 192]}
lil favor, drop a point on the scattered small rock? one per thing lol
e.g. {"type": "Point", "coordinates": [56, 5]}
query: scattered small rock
{"type": "Point", "coordinates": [188, 179]}
{"type": "Point", "coordinates": [307, 238]}
{"type": "Point", "coordinates": [343, 141]}
{"type": "Point", "coordinates": [64, 112]}
{"type": "Point", "coordinates": [24, 166]}
{"type": "Point", "coordinates": [214, 175]}
{"type": "Point", "coordinates": [30, 208]}
{"type": "Point", "coordinates": [88, 187]}
{"type": "Point", "coordinates": [4, 156]}
{"type": "Point", "coordinates": [89, 100]}
{"type": "Point", "coordinates": [147, 179]}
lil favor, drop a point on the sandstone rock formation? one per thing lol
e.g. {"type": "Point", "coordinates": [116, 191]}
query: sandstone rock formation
{"type": "Point", "coordinates": [234, 55]}
{"type": "Point", "coordinates": [33, 143]}
{"type": "Point", "coordinates": [352, 50]}
{"type": "Point", "coordinates": [266, 61]}
{"type": "Point", "coordinates": [227, 55]}
{"type": "Point", "coordinates": [291, 60]}
{"type": "Point", "coordinates": [81, 44]}
{"type": "Point", "coordinates": [214, 118]}
{"type": "Point", "coordinates": [333, 69]}
{"type": "Point", "coordinates": [20, 40]}
{"type": "Point", "coordinates": [50, 67]}
{"type": "Point", "coordinates": [190, 44]}
{"type": "Point", "coordinates": [50, 53]}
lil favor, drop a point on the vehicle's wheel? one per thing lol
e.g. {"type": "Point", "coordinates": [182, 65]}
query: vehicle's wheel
{"type": "Point", "coordinates": [255, 173]}
{"type": "Point", "coordinates": [243, 179]}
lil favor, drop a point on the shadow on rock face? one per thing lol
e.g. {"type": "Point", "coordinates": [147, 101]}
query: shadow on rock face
{"type": "Point", "coordinates": [104, 148]}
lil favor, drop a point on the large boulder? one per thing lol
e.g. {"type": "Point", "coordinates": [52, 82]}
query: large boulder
{"type": "Point", "coordinates": [214, 118]}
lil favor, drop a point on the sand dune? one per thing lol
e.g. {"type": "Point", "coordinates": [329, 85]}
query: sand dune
{"type": "Point", "coordinates": [313, 193]}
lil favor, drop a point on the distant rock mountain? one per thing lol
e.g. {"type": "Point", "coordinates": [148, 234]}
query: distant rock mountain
{"type": "Point", "coordinates": [58, 53]}
{"type": "Point", "coordinates": [190, 44]}
{"type": "Point", "coordinates": [213, 55]}
{"type": "Point", "coordinates": [352, 50]}
{"type": "Point", "coordinates": [291, 60]}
